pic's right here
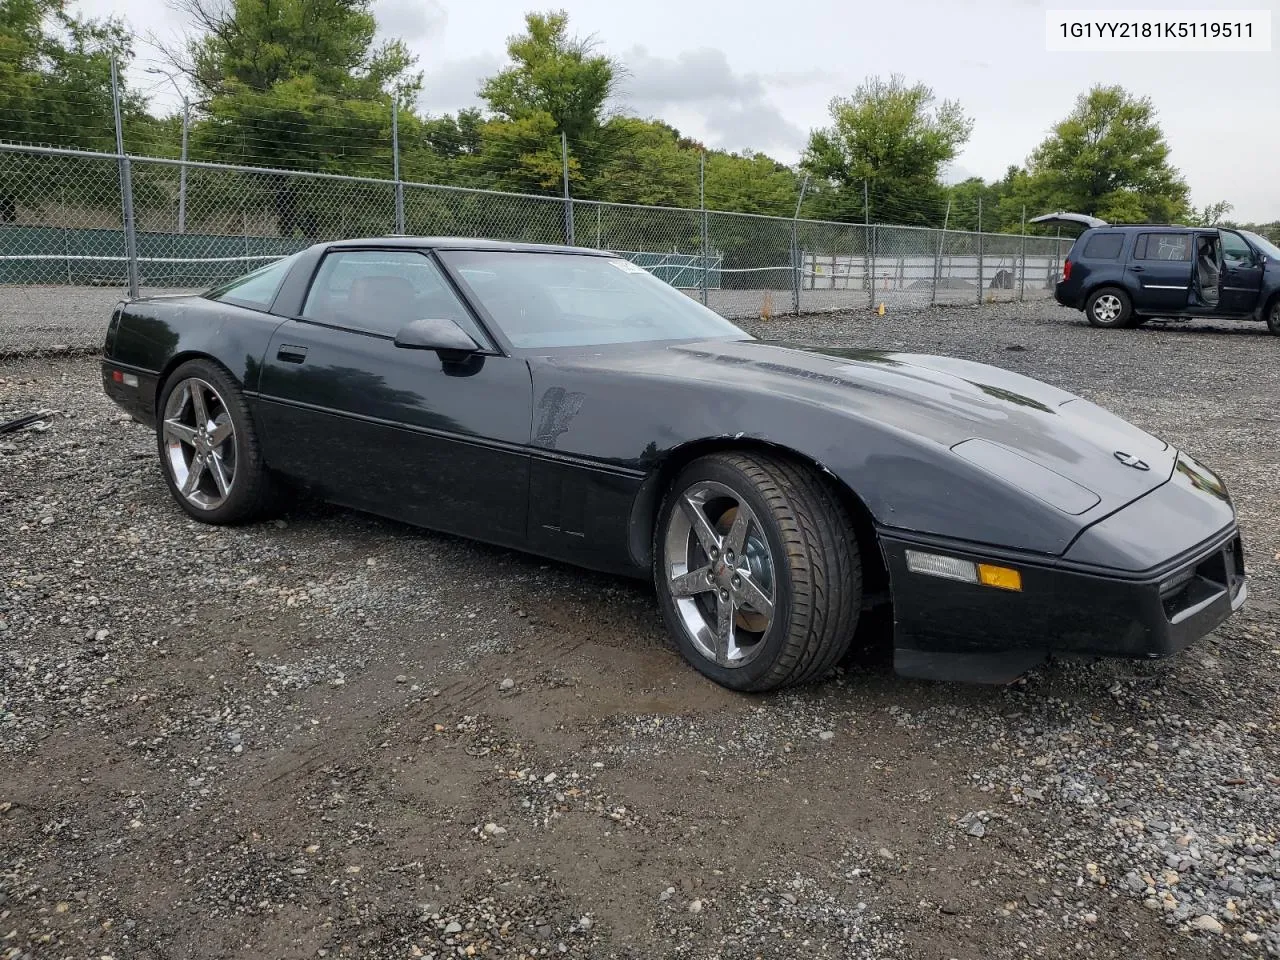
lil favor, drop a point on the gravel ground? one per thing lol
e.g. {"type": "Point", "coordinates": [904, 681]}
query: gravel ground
{"type": "Point", "coordinates": [334, 735]}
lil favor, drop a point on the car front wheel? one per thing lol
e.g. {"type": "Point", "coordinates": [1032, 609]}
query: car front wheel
{"type": "Point", "coordinates": [1273, 317]}
{"type": "Point", "coordinates": [1109, 307]}
{"type": "Point", "coordinates": [208, 446]}
{"type": "Point", "coordinates": [757, 571]}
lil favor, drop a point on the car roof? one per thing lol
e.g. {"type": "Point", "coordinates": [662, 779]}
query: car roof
{"type": "Point", "coordinates": [460, 243]}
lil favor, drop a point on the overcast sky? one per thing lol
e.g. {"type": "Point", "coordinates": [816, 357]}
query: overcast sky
{"type": "Point", "coordinates": [760, 73]}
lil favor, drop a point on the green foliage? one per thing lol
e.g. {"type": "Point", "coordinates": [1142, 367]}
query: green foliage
{"type": "Point", "coordinates": [894, 138]}
{"type": "Point", "coordinates": [298, 84]}
{"type": "Point", "coordinates": [750, 183]}
{"type": "Point", "coordinates": [651, 164]}
{"type": "Point", "coordinates": [1108, 158]}
{"type": "Point", "coordinates": [974, 203]}
{"type": "Point", "coordinates": [552, 74]}
{"type": "Point", "coordinates": [261, 44]}
{"type": "Point", "coordinates": [1210, 215]}
{"type": "Point", "coordinates": [55, 75]}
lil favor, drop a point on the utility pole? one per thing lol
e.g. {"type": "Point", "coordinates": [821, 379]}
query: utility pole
{"type": "Point", "coordinates": [568, 201]}
{"type": "Point", "coordinates": [126, 190]}
{"type": "Point", "coordinates": [395, 163]}
{"type": "Point", "coordinates": [186, 126]}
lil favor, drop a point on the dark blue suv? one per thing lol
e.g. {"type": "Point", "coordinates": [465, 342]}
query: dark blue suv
{"type": "Point", "coordinates": [1121, 275]}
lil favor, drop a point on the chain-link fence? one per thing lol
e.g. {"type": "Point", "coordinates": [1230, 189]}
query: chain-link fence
{"type": "Point", "coordinates": [80, 230]}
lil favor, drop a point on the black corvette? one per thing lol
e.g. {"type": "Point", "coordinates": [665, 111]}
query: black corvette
{"type": "Point", "coordinates": [566, 403]}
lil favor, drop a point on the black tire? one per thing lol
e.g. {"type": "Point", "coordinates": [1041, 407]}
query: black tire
{"type": "Point", "coordinates": [1109, 308]}
{"type": "Point", "coordinates": [252, 492]}
{"type": "Point", "coordinates": [1273, 315]}
{"type": "Point", "coordinates": [816, 576]}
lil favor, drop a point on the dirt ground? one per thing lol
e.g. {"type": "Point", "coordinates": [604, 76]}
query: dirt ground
{"type": "Point", "coordinates": [337, 736]}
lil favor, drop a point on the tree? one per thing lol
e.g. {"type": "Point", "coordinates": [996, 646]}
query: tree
{"type": "Point", "coordinates": [297, 84]}
{"type": "Point", "coordinates": [652, 164]}
{"type": "Point", "coordinates": [1108, 158]}
{"type": "Point", "coordinates": [750, 183]}
{"type": "Point", "coordinates": [55, 75]}
{"type": "Point", "coordinates": [554, 74]}
{"type": "Point", "coordinates": [894, 139]}
{"type": "Point", "coordinates": [1211, 215]}
{"type": "Point", "coordinates": [260, 44]}
{"type": "Point", "coordinates": [55, 90]}
{"type": "Point", "coordinates": [555, 84]}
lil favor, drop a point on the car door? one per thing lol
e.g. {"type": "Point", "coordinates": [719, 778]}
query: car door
{"type": "Point", "coordinates": [1161, 265]}
{"type": "Point", "coordinates": [1241, 281]}
{"type": "Point", "coordinates": [396, 431]}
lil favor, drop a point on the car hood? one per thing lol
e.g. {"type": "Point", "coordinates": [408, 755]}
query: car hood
{"type": "Point", "coordinates": [993, 418]}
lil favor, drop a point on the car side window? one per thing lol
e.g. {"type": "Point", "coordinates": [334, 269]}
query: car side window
{"type": "Point", "coordinates": [1104, 246]}
{"type": "Point", "coordinates": [1162, 246]}
{"type": "Point", "coordinates": [1236, 250]}
{"type": "Point", "coordinates": [381, 291]}
{"type": "Point", "coordinates": [256, 290]}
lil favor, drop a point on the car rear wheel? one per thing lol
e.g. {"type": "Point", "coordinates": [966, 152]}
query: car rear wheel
{"type": "Point", "coordinates": [757, 571]}
{"type": "Point", "coordinates": [1109, 307]}
{"type": "Point", "coordinates": [208, 446]}
{"type": "Point", "coordinates": [1273, 317]}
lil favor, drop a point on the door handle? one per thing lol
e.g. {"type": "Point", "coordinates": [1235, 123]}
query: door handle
{"type": "Point", "coordinates": [1136, 269]}
{"type": "Point", "coordinates": [288, 353]}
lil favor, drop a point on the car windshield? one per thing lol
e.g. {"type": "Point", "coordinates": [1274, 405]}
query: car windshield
{"type": "Point", "coordinates": [544, 300]}
{"type": "Point", "coordinates": [1263, 244]}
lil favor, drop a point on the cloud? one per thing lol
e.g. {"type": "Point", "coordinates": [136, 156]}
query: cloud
{"type": "Point", "coordinates": [409, 20]}
{"type": "Point", "coordinates": [452, 85]}
{"type": "Point", "coordinates": [734, 107]}
{"type": "Point", "coordinates": [953, 173]}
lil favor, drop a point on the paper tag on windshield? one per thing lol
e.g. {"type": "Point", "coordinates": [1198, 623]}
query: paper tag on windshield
{"type": "Point", "coordinates": [626, 266]}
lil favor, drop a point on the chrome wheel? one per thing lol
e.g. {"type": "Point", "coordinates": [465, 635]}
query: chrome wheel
{"type": "Point", "coordinates": [1106, 308]}
{"type": "Point", "coordinates": [199, 443]}
{"type": "Point", "coordinates": [720, 573]}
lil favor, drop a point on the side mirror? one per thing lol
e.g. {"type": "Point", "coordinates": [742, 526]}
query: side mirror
{"type": "Point", "coordinates": [445, 337]}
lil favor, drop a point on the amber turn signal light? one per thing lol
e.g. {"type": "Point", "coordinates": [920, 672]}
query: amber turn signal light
{"type": "Point", "coordinates": [1003, 577]}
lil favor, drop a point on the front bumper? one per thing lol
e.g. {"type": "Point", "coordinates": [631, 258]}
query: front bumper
{"type": "Point", "coordinates": [953, 630]}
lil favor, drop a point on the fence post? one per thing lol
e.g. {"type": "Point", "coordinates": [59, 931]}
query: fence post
{"type": "Point", "coordinates": [937, 261]}
{"type": "Point", "coordinates": [869, 239]}
{"type": "Point", "coordinates": [1022, 271]}
{"type": "Point", "coordinates": [795, 249]}
{"type": "Point", "coordinates": [244, 230]}
{"type": "Point", "coordinates": [182, 171]}
{"type": "Point", "coordinates": [981, 277]}
{"type": "Point", "coordinates": [702, 205]}
{"type": "Point", "coordinates": [568, 201]}
{"type": "Point", "coordinates": [395, 163]}
{"type": "Point", "coordinates": [126, 190]}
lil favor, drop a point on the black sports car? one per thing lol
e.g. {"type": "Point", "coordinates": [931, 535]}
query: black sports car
{"type": "Point", "coordinates": [566, 403]}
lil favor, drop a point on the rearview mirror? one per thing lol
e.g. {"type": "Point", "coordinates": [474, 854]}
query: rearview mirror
{"type": "Point", "coordinates": [443, 336]}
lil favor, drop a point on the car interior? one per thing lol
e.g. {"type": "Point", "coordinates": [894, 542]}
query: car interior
{"type": "Point", "coordinates": [380, 301]}
{"type": "Point", "coordinates": [1208, 270]}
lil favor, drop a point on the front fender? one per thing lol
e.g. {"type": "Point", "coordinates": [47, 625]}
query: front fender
{"type": "Point", "coordinates": [905, 481]}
